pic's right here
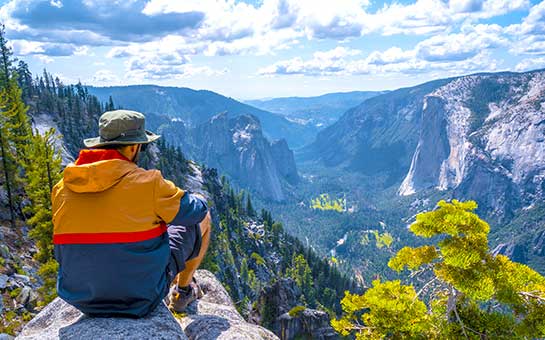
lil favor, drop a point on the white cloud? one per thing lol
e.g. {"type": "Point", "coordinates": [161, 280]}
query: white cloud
{"type": "Point", "coordinates": [165, 71]}
{"type": "Point", "coordinates": [322, 63]}
{"type": "Point", "coordinates": [529, 35]}
{"type": "Point", "coordinates": [390, 56]}
{"type": "Point", "coordinates": [225, 27]}
{"type": "Point", "coordinates": [25, 47]}
{"type": "Point", "coordinates": [460, 52]}
{"type": "Point", "coordinates": [460, 46]}
{"type": "Point", "coordinates": [530, 64]}
{"type": "Point", "coordinates": [44, 59]}
{"type": "Point", "coordinates": [104, 76]}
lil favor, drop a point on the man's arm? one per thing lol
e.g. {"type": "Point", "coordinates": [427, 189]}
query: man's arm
{"type": "Point", "coordinates": [175, 206]}
{"type": "Point", "coordinates": [193, 210]}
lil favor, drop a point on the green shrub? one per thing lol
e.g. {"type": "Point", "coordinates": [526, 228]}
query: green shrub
{"type": "Point", "coordinates": [296, 311]}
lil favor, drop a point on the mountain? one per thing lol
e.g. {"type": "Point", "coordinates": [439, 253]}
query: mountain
{"type": "Point", "coordinates": [375, 137]}
{"type": "Point", "coordinates": [320, 111]}
{"type": "Point", "coordinates": [197, 106]}
{"type": "Point", "coordinates": [481, 136]}
{"type": "Point", "coordinates": [237, 146]}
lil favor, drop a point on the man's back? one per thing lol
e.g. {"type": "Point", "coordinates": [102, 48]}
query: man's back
{"type": "Point", "coordinates": [110, 234]}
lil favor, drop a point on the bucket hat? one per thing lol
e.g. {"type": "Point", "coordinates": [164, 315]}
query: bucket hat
{"type": "Point", "coordinates": [123, 127]}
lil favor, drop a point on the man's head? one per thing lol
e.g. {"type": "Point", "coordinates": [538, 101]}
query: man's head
{"type": "Point", "coordinates": [123, 130]}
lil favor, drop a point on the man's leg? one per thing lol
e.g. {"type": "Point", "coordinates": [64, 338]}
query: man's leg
{"type": "Point", "coordinates": [184, 278]}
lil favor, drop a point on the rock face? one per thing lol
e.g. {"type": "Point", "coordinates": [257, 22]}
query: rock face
{"type": "Point", "coordinates": [492, 125]}
{"type": "Point", "coordinates": [238, 147]}
{"type": "Point", "coordinates": [309, 322]}
{"type": "Point", "coordinates": [278, 299]}
{"type": "Point", "coordinates": [515, 252]}
{"type": "Point", "coordinates": [214, 316]}
{"type": "Point", "coordinates": [59, 320]}
{"type": "Point", "coordinates": [273, 309]}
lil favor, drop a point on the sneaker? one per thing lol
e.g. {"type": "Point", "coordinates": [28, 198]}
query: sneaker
{"type": "Point", "coordinates": [180, 297]}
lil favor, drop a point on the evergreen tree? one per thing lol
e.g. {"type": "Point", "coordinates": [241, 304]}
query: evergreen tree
{"type": "Point", "coordinates": [14, 126]}
{"type": "Point", "coordinates": [8, 158]}
{"type": "Point", "coordinates": [302, 275]}
{"type": "Point", "coordinates": [249, 207]}
{"type": "Point", "coordinates": [43, 172]}
{"type": "Point", "coordinates": [110, 106]}
{"type": "Point", "coordinates": [469, 292]}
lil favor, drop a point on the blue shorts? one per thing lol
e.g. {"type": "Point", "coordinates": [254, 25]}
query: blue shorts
{"type": "Point", "coordinates": [185, 244]}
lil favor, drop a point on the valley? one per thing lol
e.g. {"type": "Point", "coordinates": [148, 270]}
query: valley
{"type": "Point", "coordinates": [372, 168]}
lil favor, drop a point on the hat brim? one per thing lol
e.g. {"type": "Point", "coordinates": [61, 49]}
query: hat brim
{"type": "Point", "coordinates": [144, 139]}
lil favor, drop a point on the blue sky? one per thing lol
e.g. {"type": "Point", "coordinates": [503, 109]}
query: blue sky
{"type": "Point", "coordinates": [273, 48]}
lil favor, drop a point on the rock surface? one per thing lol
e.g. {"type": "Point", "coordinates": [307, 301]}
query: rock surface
{"type": "Point", "coordinates": [273, 309]}
{"type": "Point", "coordinates": [310, 323]}
{"type": "Point", "coordinates": [214, 316]}
{"type": "Point", "coordinates": [59, 320]}
{"type": "Point", "coordinates": [515, 252]}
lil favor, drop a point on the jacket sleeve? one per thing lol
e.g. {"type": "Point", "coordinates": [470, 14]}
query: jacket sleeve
{"type": "Point", "coordinates": [175, 206]}
{"type": "Point", "coordinates": [193, 210]}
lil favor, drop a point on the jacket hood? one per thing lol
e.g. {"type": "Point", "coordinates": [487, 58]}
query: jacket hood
{"type": "Point", "coordinates": [96, 170]}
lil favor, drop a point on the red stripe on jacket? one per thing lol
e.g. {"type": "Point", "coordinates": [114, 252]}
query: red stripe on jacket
{"type": "Point", "coordinates": [96, 238]}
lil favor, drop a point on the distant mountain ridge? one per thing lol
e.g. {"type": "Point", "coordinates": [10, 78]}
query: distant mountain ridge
{"type": "Point", "coordinates": [481, 135]}
{"type": "Point", "coordinates": [197, 106]}
{"type": "Point", "coordinates": [320, 111]}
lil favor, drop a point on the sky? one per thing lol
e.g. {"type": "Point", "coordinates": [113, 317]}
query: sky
{"type": "Point", "coordinates": [274, 48]}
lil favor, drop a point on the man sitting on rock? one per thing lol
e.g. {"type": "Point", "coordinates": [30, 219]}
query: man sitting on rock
{"type": "Point", "coordinates": [116, 254]}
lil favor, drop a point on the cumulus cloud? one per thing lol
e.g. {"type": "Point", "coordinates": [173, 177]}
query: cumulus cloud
{"type": "Point", "coordinates": [158, 38]}
{"type": "Point", "coordinates": [165, 71]}
{"type": "Point", "coordinates": [104, 76]}
{"type": "Point", "coordinates": [449, 52]}
{"type": "Point", "coordinates": [529, 35]}
{"type": "Point", "coordinates": [460, 46]}
{"type": "Point", "coordinates": [530, 64]}
{"type": "Point", "coordinates": [111, 20]}
{"type": "Point", "coordinates": [24, 47]}
{"type": "Point", "coordinates": [323, 63]}
{"type": "Point", "coordinates": [234, 27]}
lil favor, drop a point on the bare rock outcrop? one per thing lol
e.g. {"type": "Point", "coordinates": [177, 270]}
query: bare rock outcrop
{"type": "Point", "coordinates": [59, 320]}
{"type": "Point", "coordinates": [214, 316]}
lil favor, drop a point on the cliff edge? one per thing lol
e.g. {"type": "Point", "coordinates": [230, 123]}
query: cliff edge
{"type": "Point", "coordinates": [214, 316]}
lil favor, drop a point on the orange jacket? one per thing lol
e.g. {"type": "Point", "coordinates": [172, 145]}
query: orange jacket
{"type": "Point", "coordinates": [110, 221]}
{"type": "Point", "coordinates": [111, 200]}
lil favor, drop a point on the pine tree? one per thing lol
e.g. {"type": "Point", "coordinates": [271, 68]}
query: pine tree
{"type": "Point", "coordinates": [302, 275]}
{"type": "Point", "coordinates": [43, 172]}
{"type": "Point", "coordinates": [249, 207]}
{"type": "Point", "coordinates": [110, 106]}
{"type": "Point", "coordinates": [14, 125]}
{"type": "Point", "coordinates": [8, 158]}
{"type": "Point", "coordinates": [469, 292]}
